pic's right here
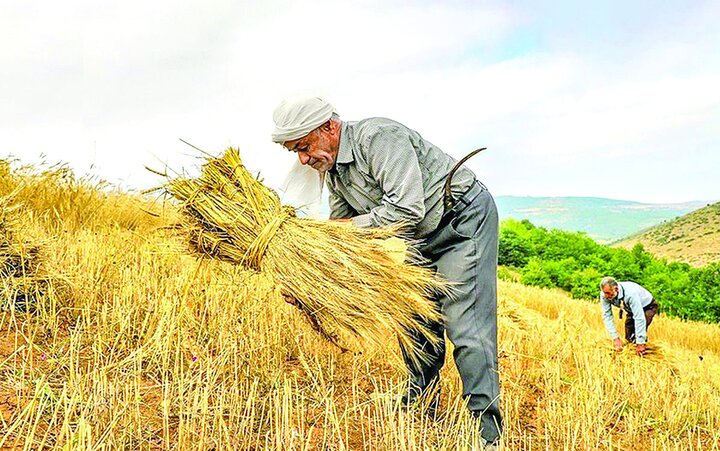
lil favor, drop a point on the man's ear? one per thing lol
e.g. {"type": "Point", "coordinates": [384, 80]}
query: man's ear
{"type": "Point", "coordinates": [329, 127]}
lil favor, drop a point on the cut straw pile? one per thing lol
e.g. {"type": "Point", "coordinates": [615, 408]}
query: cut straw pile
{"type": "Point", "coordinates": [349, 284]}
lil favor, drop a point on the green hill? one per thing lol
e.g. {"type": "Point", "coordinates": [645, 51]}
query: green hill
{"type": "Point", "coordinates": [693, 238]}
{"type": "Point", "coordinates": [604, 220]}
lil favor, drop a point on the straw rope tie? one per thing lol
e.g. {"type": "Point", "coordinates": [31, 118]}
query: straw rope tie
{"type": "Point", "coordinates": [256, 250]}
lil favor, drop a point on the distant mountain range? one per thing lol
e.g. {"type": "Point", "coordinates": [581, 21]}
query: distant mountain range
{"type": "Point", "coordinates": [604, 220]}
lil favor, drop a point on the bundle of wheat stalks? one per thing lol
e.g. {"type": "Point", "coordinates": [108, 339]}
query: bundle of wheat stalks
{"type": "Point", "coordinates": [343, 277]}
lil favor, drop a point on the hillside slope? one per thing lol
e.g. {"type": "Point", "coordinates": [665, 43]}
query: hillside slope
{"type": "Point", "coordinates": [602, 219]}
{"type": "Point", "coordinates": [693, 238]}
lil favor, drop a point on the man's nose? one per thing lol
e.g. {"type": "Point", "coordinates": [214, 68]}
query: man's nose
{"type": "Point", "coordinates": [303, 157]}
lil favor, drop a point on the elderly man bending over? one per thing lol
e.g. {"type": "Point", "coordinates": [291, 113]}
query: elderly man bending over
{"type": "Point", "coordinates": [639, 305]}
{"type": "Point", "coordinates": [380, 173]}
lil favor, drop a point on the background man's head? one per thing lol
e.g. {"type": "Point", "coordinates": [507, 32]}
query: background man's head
{"type": "Point", "coordinates": [609, 287]}
{"type": "Point", "coordinates": [310, 127]}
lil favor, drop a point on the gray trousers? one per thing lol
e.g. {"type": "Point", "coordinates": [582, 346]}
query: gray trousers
{"type": "Point", "coordinates": [464, 250]}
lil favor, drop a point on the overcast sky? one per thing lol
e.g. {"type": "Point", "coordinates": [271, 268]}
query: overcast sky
{"type": "Point", "coordinates": [611, 99]}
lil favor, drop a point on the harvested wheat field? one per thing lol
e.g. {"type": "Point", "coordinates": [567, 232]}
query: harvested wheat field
{"type": "Point", "coordinates": [126, 341]}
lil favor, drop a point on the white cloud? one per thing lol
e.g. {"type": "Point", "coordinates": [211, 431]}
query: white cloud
{"type": "Point", "coordinates": [114, 84]}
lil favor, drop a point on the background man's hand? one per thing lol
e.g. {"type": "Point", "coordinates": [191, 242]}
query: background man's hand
{"type": "Point", "coordinates": [618, 344]}
{"type": "Point", "coordinates": [640, 349]}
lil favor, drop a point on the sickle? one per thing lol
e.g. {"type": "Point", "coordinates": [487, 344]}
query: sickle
{"type": "Point", "coordinates": [448, 201]}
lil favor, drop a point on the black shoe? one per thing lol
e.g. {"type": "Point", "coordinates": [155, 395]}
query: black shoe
{"type": "Point", "coordinates": [490, 431]}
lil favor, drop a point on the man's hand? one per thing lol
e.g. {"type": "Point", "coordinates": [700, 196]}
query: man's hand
{"type": "Point", "coordinates": [618, 344]}
{"type": "Point", "coordinates": [640, 350]}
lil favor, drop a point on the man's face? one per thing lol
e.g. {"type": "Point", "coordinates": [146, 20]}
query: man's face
{"type": "Point", "coordinates": [609, 292]}
{"type": "Point", "coordinates": [318, 149]}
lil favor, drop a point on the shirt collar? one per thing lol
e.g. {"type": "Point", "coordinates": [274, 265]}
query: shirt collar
{"type": "Point", "coordinates": [346, 148]}
{"type": "Point", "coordinates": [620, 290]}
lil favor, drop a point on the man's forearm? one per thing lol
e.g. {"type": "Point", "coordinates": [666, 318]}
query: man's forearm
{"type": "Point", "coordinates": [640, 329]}
{"type": "Point", "coordinates": [385, 215]}
{"type": "Point", "coordinates": [609, 322]}
{"type": "Point", "coordinates": [640, 323]}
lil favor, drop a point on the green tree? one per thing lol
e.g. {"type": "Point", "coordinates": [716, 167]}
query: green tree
{"type": "Point", "coordinates": [514, 250]}
{"type": "Point", "coordinates": [534, 274]}
{"type": "Point", "coordinates": [642, 257]}
{"type": "Point", "coordinates": [585, 283]}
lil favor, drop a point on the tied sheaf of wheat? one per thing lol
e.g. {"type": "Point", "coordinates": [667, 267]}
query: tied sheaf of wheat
{"type": "Point", "coordinates": [344, 279]}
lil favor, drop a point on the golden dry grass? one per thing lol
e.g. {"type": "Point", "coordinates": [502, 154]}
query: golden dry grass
{"type": "Point", "coordinates": [138, 346]}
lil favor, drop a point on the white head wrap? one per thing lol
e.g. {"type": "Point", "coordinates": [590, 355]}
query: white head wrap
{"type": "Point", "coordinates": [295, 118]}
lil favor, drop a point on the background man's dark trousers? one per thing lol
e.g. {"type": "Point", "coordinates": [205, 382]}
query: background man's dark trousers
{"type": "Point", "coordinates": [650, 310]}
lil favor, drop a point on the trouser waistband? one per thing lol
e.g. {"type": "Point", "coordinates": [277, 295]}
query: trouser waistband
{"type": "Point", "coordinates": [475, 188]}
{"type": "Point", "coordinates": [651, 305]}
{"type": "Point", "coordinates": [459, 204]}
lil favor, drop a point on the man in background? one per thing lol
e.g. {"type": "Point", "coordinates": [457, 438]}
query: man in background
{"type": "Point", "coordinates": [639, 305]}
{"type": "Point", "coordinates": [380, 173]}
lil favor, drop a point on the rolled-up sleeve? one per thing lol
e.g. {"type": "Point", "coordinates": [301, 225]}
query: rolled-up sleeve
{"type": "Point", "coordinates": [639, 319]}
{"type": "Point", "coordinates": [608, 318]}
{"type": "Point", "coordinates": [394, 164]}
{"type": "Point", "coordinates": [339, 208]}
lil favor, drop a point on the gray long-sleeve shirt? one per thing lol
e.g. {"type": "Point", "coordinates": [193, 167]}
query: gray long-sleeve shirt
{"type": "Point", "coordinates": [386, 173]}
{"type": "Point", "coordinates": [634, 297]}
